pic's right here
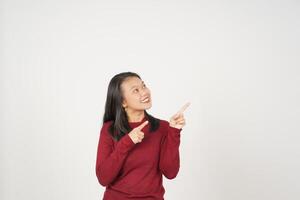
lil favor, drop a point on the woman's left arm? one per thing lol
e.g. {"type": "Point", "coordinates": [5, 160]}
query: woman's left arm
{"type": "Point", "coordinates": [169, 162]}
{"type": "Point", "coordinates": [169, 156]}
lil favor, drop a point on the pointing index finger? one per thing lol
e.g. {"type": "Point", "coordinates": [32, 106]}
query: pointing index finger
{"type": "Point", "coordinates": [140, 127]}
{"type": "Point", "coordinates": [183, 108]}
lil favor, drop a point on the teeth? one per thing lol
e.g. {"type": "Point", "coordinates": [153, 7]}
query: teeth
{"type": "Point", "coordinates": [145, 100]}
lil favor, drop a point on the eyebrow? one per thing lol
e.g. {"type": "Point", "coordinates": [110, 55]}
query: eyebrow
{"type": "Point", "coordinates": [136, 85]}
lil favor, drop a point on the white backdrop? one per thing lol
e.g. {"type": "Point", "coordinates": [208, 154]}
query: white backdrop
{"type": "Point", "coordinates": [237, 62]}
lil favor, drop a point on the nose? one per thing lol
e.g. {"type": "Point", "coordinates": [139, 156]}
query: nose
{"type": "Point", "coordinates": [143, 92]}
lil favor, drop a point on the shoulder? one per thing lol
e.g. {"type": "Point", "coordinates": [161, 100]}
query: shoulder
{"type": "Point", "coordinates": [157, 124]}
{"type": "Point", "coordinates": [163, 124]}
{"type": "Point", "coordinates": [106, 126]}
{"type": "Point", "coordinates": [163, 127]}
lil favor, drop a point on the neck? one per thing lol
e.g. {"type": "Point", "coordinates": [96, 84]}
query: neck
{"type": "Point", "coordinates": [135, 116]}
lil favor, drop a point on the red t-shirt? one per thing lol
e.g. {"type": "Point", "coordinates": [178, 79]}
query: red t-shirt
{"type": "Point", "coordinates": [134, 171]}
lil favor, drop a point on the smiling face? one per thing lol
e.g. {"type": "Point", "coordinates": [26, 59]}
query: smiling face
{"type": "Point", "coordinates": [136, 96]}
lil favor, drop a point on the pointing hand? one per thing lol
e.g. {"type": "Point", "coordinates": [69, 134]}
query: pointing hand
{"type": "Point", "coordinates": [136, 134]}
{"type": "Point", "coordinates": [177, 120]}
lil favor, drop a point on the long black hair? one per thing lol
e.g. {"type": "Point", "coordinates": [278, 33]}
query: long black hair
{"type": "Point", "coordinates": [115, 112]}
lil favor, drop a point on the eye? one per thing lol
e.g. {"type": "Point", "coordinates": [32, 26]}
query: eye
{"type": "Point", "coordinates": [144, 85]}
{"type": "Point", "coordinates": [135, 90]}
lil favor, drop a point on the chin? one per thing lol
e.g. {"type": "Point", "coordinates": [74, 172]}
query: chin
{"type": "Point", "coordinates": [147, 106]}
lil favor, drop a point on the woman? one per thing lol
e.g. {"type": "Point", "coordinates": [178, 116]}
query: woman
{"type": "Point", "coordinates": [135, 149]}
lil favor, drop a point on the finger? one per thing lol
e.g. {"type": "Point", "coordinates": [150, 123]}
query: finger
{"type": "Point", "coordinates": [141, 134]}
{"type": "Point", "coordinates": [141, 137]}
{"type": "Point", "coordinates": [180, 121]}
{"type": "Point", "coordinates": [175, 117]}
{"type": "Point", "coordinates": [183, 108]}
{"type": "Point", "coordinates": [178, 117]}
{"type": "Point", "coordinates": [140, 127]}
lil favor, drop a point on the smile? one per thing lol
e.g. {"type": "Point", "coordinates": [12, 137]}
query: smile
{"type": "Point", "coordinates": [146, 100]}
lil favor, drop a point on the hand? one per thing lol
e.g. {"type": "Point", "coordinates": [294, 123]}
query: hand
{"type": "Point", "coordinates": [177, 120]}
{"type": "Point", "coordinates": [136, 134]}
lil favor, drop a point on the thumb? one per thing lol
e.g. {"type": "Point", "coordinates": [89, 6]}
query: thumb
{"type": "Point", "coordinates": [177, 115]}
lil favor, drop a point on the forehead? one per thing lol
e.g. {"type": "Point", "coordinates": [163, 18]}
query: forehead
{"type": "Point", "coordinates": [131, 82]}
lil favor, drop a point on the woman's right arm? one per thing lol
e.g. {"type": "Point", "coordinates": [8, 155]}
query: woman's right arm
{"type": "Point", "coordinates": [109, 160]}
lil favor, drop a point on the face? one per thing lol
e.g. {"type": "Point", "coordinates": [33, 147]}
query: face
{"type": "Point", "coordinates": [136, 95]}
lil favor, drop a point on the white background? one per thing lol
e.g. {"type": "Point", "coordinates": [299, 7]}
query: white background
{"type": "Point", "coordinates": [237, 62]}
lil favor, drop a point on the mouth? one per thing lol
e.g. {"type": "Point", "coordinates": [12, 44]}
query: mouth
{"type": "Point", "coordinates": [146, 100]}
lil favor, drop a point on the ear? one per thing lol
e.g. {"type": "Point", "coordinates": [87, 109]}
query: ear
{"type": "Point", "coordinates": [124, 104]}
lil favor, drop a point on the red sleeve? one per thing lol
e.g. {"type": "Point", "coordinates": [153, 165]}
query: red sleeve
{"type": "Point", "coordinates": [169, 156]}
{"type": "Point", "coordinates": [109, 159]}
